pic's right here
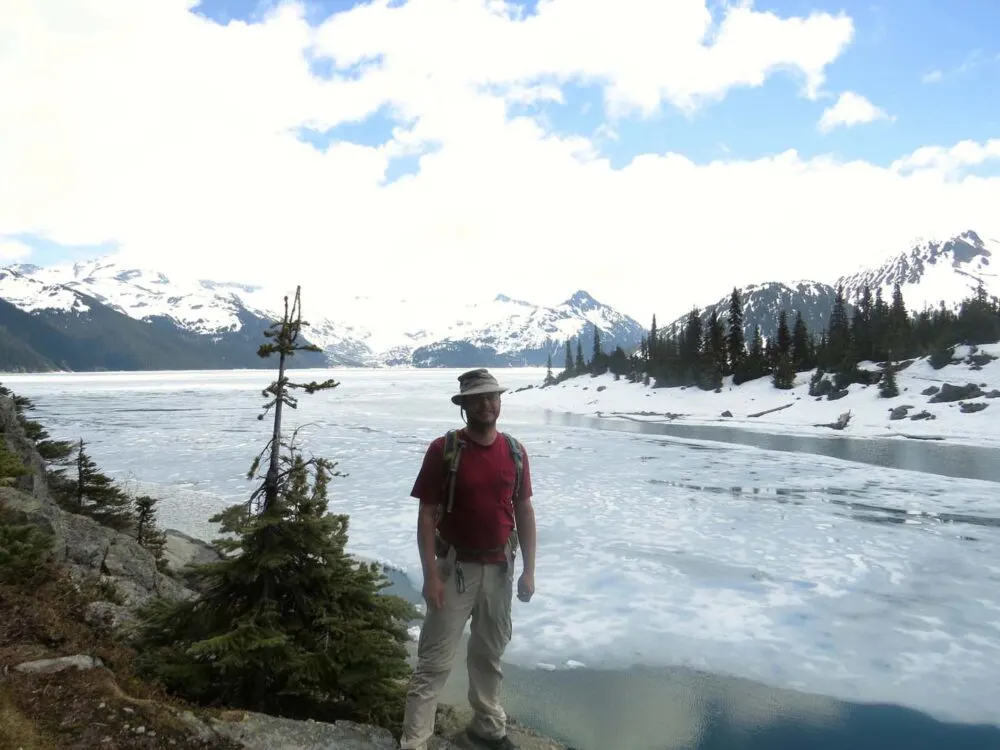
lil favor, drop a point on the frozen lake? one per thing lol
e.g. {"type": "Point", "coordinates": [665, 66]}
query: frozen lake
{"type": "Point", "coordinates": [656, 552]}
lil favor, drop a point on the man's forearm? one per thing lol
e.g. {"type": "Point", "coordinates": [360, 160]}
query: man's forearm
{"type": "Point", "coordinates": [426, 528]}
{"type": "Point", "coordinates": [525, 518]}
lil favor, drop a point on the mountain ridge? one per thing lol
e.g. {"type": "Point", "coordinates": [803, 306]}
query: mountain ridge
{"type": "Point", "coordinates": [930, 273]}
{"type": "Point", "coordinates": [204, 322]}
{"type": "Point", "coordinates": [500, 332]}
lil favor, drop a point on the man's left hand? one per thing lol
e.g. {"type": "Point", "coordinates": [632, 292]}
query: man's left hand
{"type": "Point", "coordinates": [526, 586]}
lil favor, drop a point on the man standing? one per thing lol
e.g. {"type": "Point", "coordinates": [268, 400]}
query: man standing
{"type": "Point", "coordinates": [468, 530]}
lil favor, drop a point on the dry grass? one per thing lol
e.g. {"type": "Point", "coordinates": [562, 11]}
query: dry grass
{"type": "Point", "coordinates": [106, 708]}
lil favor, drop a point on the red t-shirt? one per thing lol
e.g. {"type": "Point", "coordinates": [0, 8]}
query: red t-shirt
{"type": "Point", "coordinates": [483, 513]}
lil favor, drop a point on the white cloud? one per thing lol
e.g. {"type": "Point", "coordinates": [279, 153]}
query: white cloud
{"type": "Point", "coordinates": [948, 162]}
{"type": "Point", "coordinates": [12, 251]}
{"type": "Point", "coordinates": [142, 124]}
{"type": "Point", "coordinates": [849, 110]}
{"type": "Point", "coordinates": [935, 76]}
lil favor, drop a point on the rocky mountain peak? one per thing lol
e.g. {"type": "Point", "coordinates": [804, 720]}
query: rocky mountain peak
{"type": "Point", "coordinates": [581, 300]}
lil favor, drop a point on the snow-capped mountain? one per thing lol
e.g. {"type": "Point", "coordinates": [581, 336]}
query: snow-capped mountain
{"type": "Point", "coordinates": [513, 332]}
{"type": "Point", "coordinates": [932, 273]}
{"type": "Point", "coordinates": [356, 331]}
{"type": "Point", "coordinates": [46, 326]}
{"type": "Point", "coordinates": [142, 294]}
{"type": "Point", "coordinates": [762, 304]}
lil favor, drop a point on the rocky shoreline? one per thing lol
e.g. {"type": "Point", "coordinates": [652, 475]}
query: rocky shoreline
{"type": "Point", "coordinates": [125, 576]}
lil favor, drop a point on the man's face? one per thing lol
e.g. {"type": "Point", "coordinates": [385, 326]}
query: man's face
{"type": "Point", "coordinates": [482, 409]}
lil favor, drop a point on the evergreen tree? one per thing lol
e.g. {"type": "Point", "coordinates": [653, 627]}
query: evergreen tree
{"type": "Point", "coordinates": [888, 388]}
{"type": "Point", "coordinates": [284, 336]}
{"type": "Point", "coordinates": [653, 348]}
{"type": "Point", "coordinates": [716, 344]}
{"type": "Point", "coordinates": [802, 356]}
{"type": "Point", "coordinates": [549, 377]}
{"type": "Point", "coordinates": [597, 355]}
{"type": "Point", "coordinates": [691, 346]}
{"type": "Point", "coordinates": [95, 494]}
{"type": "Point", "coordinates": [568, 366]}
{"type": "Point", "coordinates": [838, 340]}
{"type": "Point", "coordinates": [880, 327]}
{"type": "Point", "coordinates": [978, 322]}
{"type": "Point", "coordinates": [899, 322]}
{"type": "Point", "coordinates": [784, 371]}
{"type": "Point", "coordinates": [147, 533]}
{"type": "Point", "coordinates": [618, 362]}
{"type": "Point", "coordinates": [579, 366]}
{"type": "Point", "coordinates": [861, 325]}
{"type": "Point", "coordinates": [755, 365]}
{"type": "Point", "coordinates": [735, 345]}
{"type": "Point", "coordinates": [288, 623]}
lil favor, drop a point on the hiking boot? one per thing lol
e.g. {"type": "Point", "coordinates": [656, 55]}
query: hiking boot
{"type": "Point", "coordinates": [499, 743]}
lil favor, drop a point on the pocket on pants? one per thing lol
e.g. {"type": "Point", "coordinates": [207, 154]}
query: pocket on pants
{"type": "Point", "coordinates": [444, 567]}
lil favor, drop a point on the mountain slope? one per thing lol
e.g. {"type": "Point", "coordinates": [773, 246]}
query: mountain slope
{"type": "Point", "coordinates": [762, 303]}
{"type": "Point", "coordinates": [513, 332]}
{"type": "Point", "coordinates": [44, 327]}
{"type": "Point", "coordinates": [356, 331]}
{"type": "Point", "coordinates": [932, 273]}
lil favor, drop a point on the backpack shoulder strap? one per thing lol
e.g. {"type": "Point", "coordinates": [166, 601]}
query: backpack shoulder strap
{"type": "Point", "coordinates": [517, 453]}
{"type": "Point", "coordinates": [452, 454]}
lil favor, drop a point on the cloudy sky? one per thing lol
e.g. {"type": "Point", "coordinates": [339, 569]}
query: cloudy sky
{"type": "Point", "coordinates": [653, 152]}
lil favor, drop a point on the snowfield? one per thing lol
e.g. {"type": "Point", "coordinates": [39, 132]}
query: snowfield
{"type": "Point", "coordinates": [603, 396]}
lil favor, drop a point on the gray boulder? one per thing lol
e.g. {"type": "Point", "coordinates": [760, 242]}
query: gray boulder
{"type": "Point", "coordinates": [182, 550]}
{"type": "Point", "coordinates": [59, 664]}
{"type": "Point", "coordinates": [951, 393]}
{"type": "Point", "coordinates": [87, 548]}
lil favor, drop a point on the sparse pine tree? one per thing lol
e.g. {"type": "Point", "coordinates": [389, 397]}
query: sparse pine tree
{"type": "Point", "coordinates": [288, 623]}
{"type": "Point", "coordinates": [284, 337]}
{"type": "Point", "coordinates": [92, 493]}
{"type": "Point", "coordinates": [147, 532]}
{"type": "Point", "coordinates": [549, 377]}
{"type": "Point", "coordinates": [580, 365]}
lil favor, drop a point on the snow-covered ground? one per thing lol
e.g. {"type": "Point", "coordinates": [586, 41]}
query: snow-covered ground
{"type": "Point", "coordinates": [870, 414]}
{"type": "Point", "coordinates": [796, 570]}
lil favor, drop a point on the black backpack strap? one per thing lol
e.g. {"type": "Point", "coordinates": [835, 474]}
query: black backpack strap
{"type": "Point", "coordinates": [517, 453]}
{"type": "Point", "coordinates": [453, 445]}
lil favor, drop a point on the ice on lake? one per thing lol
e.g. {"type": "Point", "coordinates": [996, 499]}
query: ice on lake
{"type": "Point", "coordinates": [795, 570]}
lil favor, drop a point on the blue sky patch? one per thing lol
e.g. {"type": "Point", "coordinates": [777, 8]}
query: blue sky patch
{"type": "Point", "coordinates": [45, 252]}
{"type": "Point", "coordinates": [374, 130]}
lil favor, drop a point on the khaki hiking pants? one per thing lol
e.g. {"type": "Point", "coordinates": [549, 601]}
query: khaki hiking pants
{"type": "Point", "coordinates": [487, 598]}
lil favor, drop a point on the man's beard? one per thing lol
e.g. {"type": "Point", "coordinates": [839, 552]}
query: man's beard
{"type": "Point", "coordinates": [478, 423]}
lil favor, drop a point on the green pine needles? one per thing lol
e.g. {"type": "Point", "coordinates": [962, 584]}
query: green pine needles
{"type": "Point", "coordinates": [288, 623]}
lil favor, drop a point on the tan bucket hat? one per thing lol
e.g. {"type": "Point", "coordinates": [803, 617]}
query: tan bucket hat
{"type": "Point", "coordinates": [474, 382]}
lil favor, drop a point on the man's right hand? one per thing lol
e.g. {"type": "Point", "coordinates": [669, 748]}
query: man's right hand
{"type": "Point", "coordinates": [434, 592]}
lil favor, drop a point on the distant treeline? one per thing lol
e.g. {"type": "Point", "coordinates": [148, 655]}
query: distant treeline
{"type": "Point", "coordinates": [877, 331]}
